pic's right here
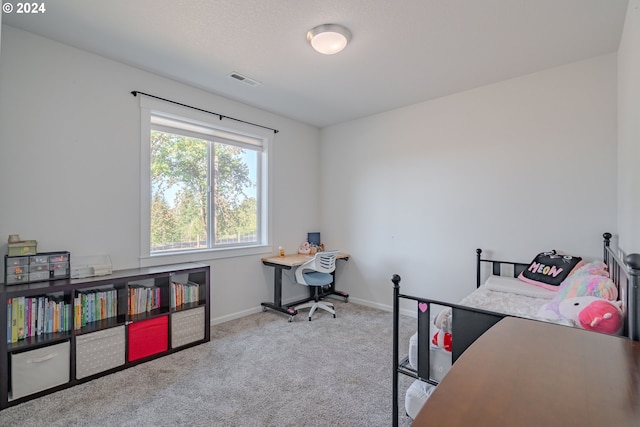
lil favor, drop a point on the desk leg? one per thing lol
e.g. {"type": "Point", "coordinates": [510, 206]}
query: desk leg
{"type": "Point", "coordinates": [277, 296]}
{"type": "Point", "coordinates": [332, 290]}
{"type": "Point", "coordinates": [277, 286]}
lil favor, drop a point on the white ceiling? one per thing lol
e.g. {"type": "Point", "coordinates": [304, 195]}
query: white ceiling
{"type": "Point", "coordinates": [402, 52]}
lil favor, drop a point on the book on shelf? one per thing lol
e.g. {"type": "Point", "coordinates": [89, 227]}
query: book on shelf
{"type": "Point", "coordinates": [94, 305]}
{"type": "Point", "coordinates": [9, 304]}
{"type": "Point", "coordinates": [40, 320]}
{"type": "Point", "coordinates": [33, 316]}
{"type": "Point", "coordinates": [56, 315]}
{"type": "Point", "coordinates": [143, 299]}
{"type": "Point", "coordinates": [20, 318]}
{"type": "Point", "coordinates": [184, 293]}
{"type": "Point", "coordinates": [27, 316]}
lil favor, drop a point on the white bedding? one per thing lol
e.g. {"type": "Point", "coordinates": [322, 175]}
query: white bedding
{"type": "Point", "coordinates": [517, 286]}
{"type": "Point", "coordinates": [515, 304]}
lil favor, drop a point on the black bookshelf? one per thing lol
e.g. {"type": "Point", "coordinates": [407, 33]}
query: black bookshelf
{"type": "Point", "coordinates": [110, 319]}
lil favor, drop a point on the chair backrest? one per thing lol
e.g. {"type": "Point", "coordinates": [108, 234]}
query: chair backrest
{"type": "Point", "coordinates": [324, 262]}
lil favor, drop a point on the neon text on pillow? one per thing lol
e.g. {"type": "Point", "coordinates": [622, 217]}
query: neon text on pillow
{"type": "Point", "coordinates": [547, 270]}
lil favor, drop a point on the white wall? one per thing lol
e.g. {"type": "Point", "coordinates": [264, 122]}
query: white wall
{"type": "Point", "coordinates": [413, 191]}
{"type": "Point", "coordinates": [629, 130]}
{"type": "Point", "coordinates": [70, 163]}
{"type": "Point", "coordinates": [516, 167]}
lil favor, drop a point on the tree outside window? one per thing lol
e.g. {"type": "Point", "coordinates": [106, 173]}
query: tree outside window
{"type": "Point", "coordinates": [203, 192]}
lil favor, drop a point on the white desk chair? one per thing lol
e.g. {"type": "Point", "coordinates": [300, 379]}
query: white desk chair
{"type": "Point", "coordinates": [317, 273]}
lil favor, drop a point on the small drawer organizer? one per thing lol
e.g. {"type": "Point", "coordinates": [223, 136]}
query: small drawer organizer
{"type": "Point", "coordinates": [36, 268]}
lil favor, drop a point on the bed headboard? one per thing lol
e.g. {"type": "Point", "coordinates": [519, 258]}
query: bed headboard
{"type": "Point", "coordinates": [623, 270]}
{"type": "Point", "coordinates": [497, 267]}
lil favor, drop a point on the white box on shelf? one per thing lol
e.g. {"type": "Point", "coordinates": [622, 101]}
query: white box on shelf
{"type": "Point", "coordinates": [99, 351]}
{"type": "Point", "coordinates": [40, 369]}
{"type": "Point", "coordinates": [90, 266]}
{"type": "Point", "coordinates": [187, 327]}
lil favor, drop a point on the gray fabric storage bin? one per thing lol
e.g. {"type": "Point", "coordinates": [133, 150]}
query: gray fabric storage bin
{"type": "Point", "coordinates": [99, 351]}
{"type": "Point", "coordinates": [40, 369]}
{"type": "Point", "coordinates": [187, 327]}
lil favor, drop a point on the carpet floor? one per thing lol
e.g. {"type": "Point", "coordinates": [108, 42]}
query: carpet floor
{"type": "Point", "coordinates": [259, 370]}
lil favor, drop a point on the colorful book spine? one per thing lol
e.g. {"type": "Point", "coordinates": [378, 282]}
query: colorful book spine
{"type": "Point", "coordinates": [40, 322]}
{"type": "Point", "coordinates": [142, 299]}
{"type": "Point", "coordinates": [77, 318]}
{"type": "Point", "coordinates": [64, 310]}
{"type": "Point", "coordinates": [9, 304]}
{"type": "Point", "coordinates": [14, 319]}
{"type": "Point", "coordinates": [184, 293]}
{"type": "Point", "coordinates": [56, 316]}
{"type": "Point", "coordinates": [47, 316]}
{"type": "Point", "coordinates": [84, 309]}
{"type": "Point", "coordinates": [20, 318]}
{"type": "Point", "coordinates": [34, 317]}
{"type": "Point", "coordinates": [27, 318]}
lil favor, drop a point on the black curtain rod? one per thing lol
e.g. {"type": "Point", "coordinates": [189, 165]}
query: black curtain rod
{"type": "Point", "coordinates": [135, 93]}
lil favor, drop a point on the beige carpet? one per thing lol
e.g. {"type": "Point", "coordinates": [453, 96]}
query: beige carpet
{"type": "Point", "coordinates": [257, 371]}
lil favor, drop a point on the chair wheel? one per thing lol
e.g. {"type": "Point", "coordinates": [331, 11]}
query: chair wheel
{"type": "Point", "coordinates": [334, 316]}
{"type": "Point", "coordinates": [309, 319]}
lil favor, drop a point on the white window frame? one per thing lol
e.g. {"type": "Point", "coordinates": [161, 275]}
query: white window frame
{"type": "Point", "coordinates": [150, 106]}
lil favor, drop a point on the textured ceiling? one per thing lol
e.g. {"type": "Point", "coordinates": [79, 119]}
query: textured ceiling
{"type": "Point", "coordinates": [401, 53]}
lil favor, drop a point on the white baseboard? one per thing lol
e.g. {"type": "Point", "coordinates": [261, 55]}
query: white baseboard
{"type": "Point", "coordinates": [384, 307]}
{"type": "Point", "coordinates": [372, 304]}
{"type": "Point", "coordinates": [234, 316]}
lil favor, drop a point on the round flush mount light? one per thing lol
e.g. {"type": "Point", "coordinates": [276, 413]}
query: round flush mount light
{"type": "Point", "coordinates": [329, 38]}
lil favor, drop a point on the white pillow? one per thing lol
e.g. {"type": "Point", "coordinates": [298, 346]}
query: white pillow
{"type": "Point", "coordinates": [514, 286]}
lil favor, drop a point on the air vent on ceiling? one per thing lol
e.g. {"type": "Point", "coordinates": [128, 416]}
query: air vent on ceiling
{"type": "Point", "coordinates": [244, 79]}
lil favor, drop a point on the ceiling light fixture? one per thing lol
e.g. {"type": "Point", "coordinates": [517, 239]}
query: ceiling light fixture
{"type": "Point", "coordinates": [329, 38]}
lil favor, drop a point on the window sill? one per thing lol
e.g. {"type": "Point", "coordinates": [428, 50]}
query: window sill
{"type": "Point", "coordinates": [207, 255]}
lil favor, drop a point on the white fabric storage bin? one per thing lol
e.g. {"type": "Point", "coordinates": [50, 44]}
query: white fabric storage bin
{"type": "Point", "coordinates": [40, 369]}
{"type": "Point", "coordinates": [99, 351]}
{"type": "Point", "coordinates": [417, 394]}
{"type": "Point", "coordinates": [187, 327]}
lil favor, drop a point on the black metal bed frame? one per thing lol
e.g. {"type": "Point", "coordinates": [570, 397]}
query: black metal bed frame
{"type": "Point", "coordinates": [469, 323]}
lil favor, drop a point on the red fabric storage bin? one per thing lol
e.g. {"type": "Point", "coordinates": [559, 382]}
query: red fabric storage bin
{"type": "Point", "coordinates": [148, 337]}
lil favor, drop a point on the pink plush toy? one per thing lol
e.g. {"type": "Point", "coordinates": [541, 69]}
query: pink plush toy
{"type": "Point", "coordinates": [602, 316]}
{"type": "Point", "coordinates": [595, 314]}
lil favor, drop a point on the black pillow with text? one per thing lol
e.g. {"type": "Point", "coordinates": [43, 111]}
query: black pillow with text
{"type": "Point", "coordinates": [549, 269]}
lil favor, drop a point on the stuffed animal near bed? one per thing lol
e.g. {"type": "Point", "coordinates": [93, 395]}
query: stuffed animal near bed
{"type": "Point", "coordinates": [444, 326]}
{"type": "Point", "coordinates": [594, 314]}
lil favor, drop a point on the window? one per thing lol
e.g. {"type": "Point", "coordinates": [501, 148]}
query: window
{"type": "Point", "coordinates": [204, 185]}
